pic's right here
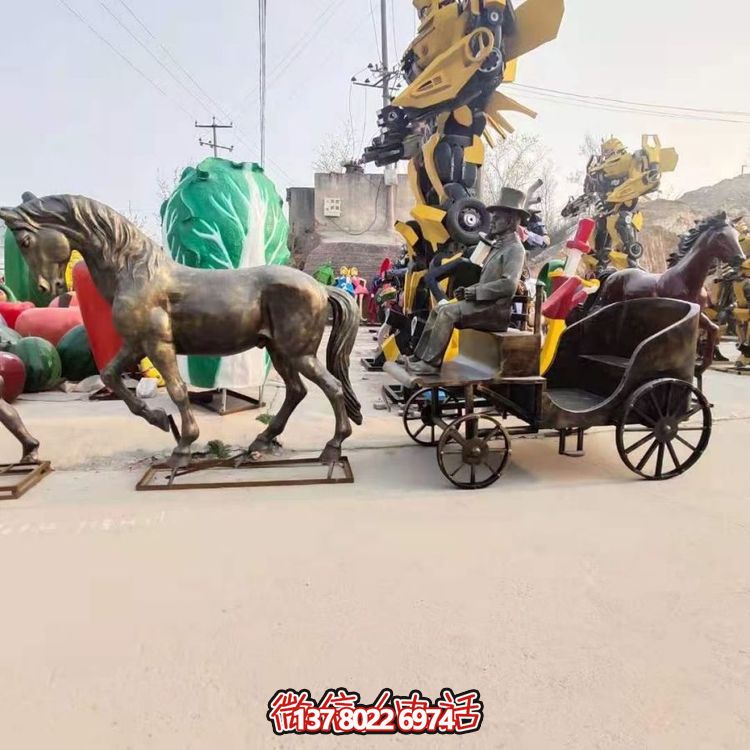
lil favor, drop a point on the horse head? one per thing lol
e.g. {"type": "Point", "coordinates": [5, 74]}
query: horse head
{"type": "Point", "coordinates": [725, 239]}
{"type": "Point", "coordinates": [44, 246]}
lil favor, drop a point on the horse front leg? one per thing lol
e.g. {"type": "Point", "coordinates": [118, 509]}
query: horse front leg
{"type": "Point", "coordinates": [712, 341]}
{"type": "Point", "coordinates": [162, 355]}
{"type": "Point", "coordinates": [112, 377]}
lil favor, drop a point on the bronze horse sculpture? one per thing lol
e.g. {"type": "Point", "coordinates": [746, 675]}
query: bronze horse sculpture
{"type": "Point", "coordinates": [711, 240]}
{"type": "Point", "coordinates": [162, 309]}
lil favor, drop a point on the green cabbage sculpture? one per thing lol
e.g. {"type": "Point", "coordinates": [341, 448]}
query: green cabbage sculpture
{"type": "Point", "coordinates": [225, 215]}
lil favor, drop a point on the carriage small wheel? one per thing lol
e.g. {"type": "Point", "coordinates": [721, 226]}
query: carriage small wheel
{"type": "Point", "coordinates": [423, 412]}
{"type": "Point", "coordinates": [474, 451]}
{"type": "Point", "coordinates": [664, 430]}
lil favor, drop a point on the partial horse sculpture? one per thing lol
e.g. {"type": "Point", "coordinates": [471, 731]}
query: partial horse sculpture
{"type": "Point", "coordinates": [711, 240]}
{"type": "Point", "coordinates": [162, 309]}
{"type": "Point", "coordinates": [11, 420]}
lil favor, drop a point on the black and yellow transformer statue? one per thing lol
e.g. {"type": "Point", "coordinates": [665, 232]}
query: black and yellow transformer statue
{"type": "Point", "coordinates": [730, 302]}
{"type": "Point", "coordinates": [615, 182]}
{"type": "Point", "coordinates": [440, 123]}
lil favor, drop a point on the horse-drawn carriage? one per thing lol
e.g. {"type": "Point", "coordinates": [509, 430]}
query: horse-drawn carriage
{"type": "Point", "coordinates": [631, 366]}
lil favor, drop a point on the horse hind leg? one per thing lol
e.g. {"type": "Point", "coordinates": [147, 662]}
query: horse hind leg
{"type": "Point", "coordinates": [12, 421]}
{"type": "Point", "coordinates": [314, 371]}
{"type": "Point", "coordinates": [295, 393]}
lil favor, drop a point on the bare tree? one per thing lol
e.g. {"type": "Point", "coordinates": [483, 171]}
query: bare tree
{"type": "Point", "coordinates": [165, 184]}
{"type": "Point", "coordinates": [591, 146]}
{"type": "Point", "coordinates": [518, 162]}
{"type": "Point", "coordinates": [336, 150]}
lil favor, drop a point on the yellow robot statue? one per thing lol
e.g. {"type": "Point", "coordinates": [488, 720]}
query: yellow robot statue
{"type": "Point", "coordinates": [615, 182]}
{"type": "Point", "coordinates": [439, 123]}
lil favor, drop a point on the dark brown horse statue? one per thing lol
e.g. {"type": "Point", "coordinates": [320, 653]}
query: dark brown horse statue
{"type": "Point", "coordinates": [11, 420]}
{"type": "Point", "coordinates": [711, 240]}
{"type": "Point", "coordinates": [162, 309]}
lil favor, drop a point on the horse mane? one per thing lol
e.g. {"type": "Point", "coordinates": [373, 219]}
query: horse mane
{"type": "Point", "coordinates": [84, 220]}
{"type": "Point", "coordinates": [689, 239]}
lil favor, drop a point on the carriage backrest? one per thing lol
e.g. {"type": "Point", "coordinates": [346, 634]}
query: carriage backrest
{"type": "Point", "coordinates": [651, 337]}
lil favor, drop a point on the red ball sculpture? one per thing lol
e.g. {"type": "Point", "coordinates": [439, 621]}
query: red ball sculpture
{"type": "Point", "coordinates": [13, 373]}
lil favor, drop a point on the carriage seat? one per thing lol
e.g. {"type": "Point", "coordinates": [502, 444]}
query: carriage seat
{"type": "Point", "coordinates": [513, 354]}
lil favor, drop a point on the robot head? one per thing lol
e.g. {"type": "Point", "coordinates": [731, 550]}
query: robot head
{"type": "Point", "coordinates": [612, 146]}
{"type": "Point", "coordinates": [426, 8]}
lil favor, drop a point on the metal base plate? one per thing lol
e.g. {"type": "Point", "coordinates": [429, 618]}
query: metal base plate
{"type": "Point", "coordinates": [731, 368]}
{"type": "Point", "coordinates": [160, 477]}
{"type": "Point", "coordinates": [25, 476]}
{"type": "Point", "coordinates": [224, 401]}
{"type": "Point", "coordinates": [372, 364]}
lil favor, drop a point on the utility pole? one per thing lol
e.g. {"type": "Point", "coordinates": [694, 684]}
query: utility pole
{"type": "Point", "coordinates": [262, 38]}
{"type": "Point", "coordinates": [385, 79]}
{"type": "Point", "coordinates": [215, 145]}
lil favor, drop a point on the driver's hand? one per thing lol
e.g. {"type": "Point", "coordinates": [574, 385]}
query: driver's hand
{"type": "Point", "coordinates": [460, 294]}
{"type": "Point", "coordinates": [470, 294]}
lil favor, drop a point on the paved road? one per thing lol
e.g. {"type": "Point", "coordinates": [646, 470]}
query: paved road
{"type": "Point", "coordinates": [590, 610]}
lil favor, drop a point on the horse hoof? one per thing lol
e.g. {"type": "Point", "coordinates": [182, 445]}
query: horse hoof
{"type": "Point", "coordinates": [330, 455]}
{"type": "Point", "coordinates": [159, 418]}
{"type": "Point", "coordinates": [179, 460]}
{"type": "Point", "coordinates": [31, 456]}
{"type": "Point", "coordinates": [264, 448]}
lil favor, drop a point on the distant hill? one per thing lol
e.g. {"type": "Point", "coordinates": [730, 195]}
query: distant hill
{"type": "Point", "coordinates": [666, 220]}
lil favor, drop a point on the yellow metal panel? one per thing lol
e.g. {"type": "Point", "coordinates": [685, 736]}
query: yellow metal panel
{"type": "Point", "coordinates": [464, 116]}
{"type": "Point", "coordinates": [511, 71]}
{"type": "Point", "coordinates": [390, 349]}
{"type": "Point", "coordinates": [410, 237]}
{"type": "Point", "coordinates": [475, 153]}
{"type": "Point", "coordinates": [537, 22]}
{"type": "Point", "coordinates": [448, 73]}
{"type": "Point", "coordinates": [638, 221]}
{"type": "Point", "coordinates": [669, 159]}
{"type": "Point", "coordinates": [502, 103]}
{"type": "Point", "coordinates": [431, 221]}
{"type": "Point", "coordinates": [411, 285]}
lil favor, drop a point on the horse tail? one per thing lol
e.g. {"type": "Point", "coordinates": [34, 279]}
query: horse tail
{"type": "Point", "coordinates": [340, 345]}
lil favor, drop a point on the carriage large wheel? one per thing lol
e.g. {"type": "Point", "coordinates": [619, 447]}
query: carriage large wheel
{"type": "Point", "coordinates": [474, 451]}
{"type": "Point", "coordinates": [424, 409]}
{"type": "Point", "coordinates": [664, 430]}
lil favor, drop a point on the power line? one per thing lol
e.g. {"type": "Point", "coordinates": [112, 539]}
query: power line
{"type": "Point", "coordinates": [587, 104]}
{"type": "Point", "coordinates": [634, 104]}
{"type": "Point", "coordinates": [299, 46]}
{"type": "Point", "coordinates": [124, 57]}
{"type": "Point", "coordinates": [375, 30]}
{"type": "Point", "coordinates": [262, 31]}
{"type": "Point", "coordinates": [122, 25]}
{"type": "Point", "coordinates": [169, 54]}
{"type": "Point", "coordinates": [612, 106]}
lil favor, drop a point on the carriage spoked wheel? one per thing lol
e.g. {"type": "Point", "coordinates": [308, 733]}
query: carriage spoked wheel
{"type": "Point", "coordinates": [664, 430]}
{"type": "Point", "coordinates": [423, 412]}
{"type": "Point", "coordinates": [474, 451]}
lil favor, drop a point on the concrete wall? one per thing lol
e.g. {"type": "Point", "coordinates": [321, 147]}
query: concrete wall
{"type": "Point", "coordinates": [301, 210]}
{"type": "Point", "coordinates": [363, 202]}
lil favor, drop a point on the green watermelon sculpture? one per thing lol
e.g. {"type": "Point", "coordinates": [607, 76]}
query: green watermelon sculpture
{"type": "Point", "coordinates": [225, 215]}
{"type": "Point", "coordinates": [43, 366]}
{"type": "Point", "coordinates": [18, 277]}
{"type": "Point", "coordinates": [76, 356]}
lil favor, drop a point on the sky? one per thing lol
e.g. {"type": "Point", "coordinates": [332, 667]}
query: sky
{"type": "Point", "coordinates": [79, 118]}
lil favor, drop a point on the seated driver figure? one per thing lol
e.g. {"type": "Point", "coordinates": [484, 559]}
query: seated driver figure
{"type": "Point", "coordinates": [486, 306]}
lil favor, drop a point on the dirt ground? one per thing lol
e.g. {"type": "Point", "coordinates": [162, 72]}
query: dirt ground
{"type": "Point", "coordinates": [591, 610]}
